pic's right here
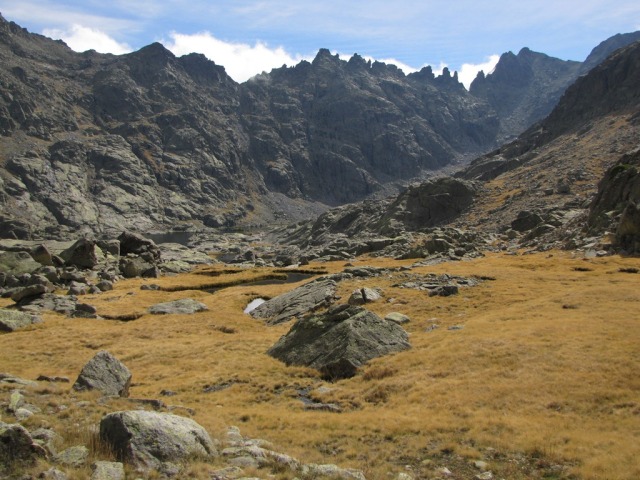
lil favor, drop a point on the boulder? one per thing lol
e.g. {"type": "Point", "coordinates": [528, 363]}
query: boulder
{"type": "Point", "coordinates": [184, 306]}
{"type": "Point", "coordinates": [105, 373]}
{"type": "Point", "coordinates": [63, 304]}
{"type": "Point", "coordinates": [17, 446]}
{"type": "Point", "coordinates": [340, 341]}
{"type": "Point", "coordinates": [297, 302]}
{"type": "Point", "coordinates": [132, 267]}
{"type": "Point", "coordinates": [137, 244]}
{"type": "Point", "coordinates": [82, 254]}
{"type": "Point", "coordinates": [364, 295]}
{"type": "Point", "coordinates": [152, 440]}
{"type": "Point", "coordinates": [29, 292]}
{"type": "Point", "coordinates": [11, 320]}
{"type": "Point", "coordinates": [42, 255]}
{"type": "Point", "coordinates": [526, 221]}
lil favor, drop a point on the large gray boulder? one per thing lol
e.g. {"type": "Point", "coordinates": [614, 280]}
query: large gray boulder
{"type": "Point", "coordinates": [105, 373]}
{"type": "Point", "coordinates": [340, 341]}
{"type": "Point", "coordinates": [11, 320]}
{"type": "Point", "coordinates": [297, 302]}
{"type": "Point", "coordinates": [153, 440]}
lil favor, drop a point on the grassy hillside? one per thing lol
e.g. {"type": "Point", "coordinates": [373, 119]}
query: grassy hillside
{"type": "Point", "coordinates": [541, 381]}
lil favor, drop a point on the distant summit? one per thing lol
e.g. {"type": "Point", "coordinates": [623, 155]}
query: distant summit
{"type": "Point", "coordinates": [148, 140]}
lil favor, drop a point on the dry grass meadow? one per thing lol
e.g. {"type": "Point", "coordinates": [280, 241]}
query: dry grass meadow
{"type": "Point", "coordinates": [542, 381]}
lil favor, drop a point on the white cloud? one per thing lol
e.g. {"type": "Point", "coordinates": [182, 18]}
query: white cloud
{"type": "Point", "coordinates": [81, 38]}
{"type": "Point", "coordinates": [469, 71]}
{"type": "Point", "coordinates": [241, 61]}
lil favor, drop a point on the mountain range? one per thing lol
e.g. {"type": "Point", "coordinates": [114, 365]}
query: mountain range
{"type": "Point", "coordinates": [100, 143]}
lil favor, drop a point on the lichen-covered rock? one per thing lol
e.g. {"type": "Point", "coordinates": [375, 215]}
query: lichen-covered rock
{"type": "Point", "coordinates": [184, 306]}
{"type": "Point", "coordinates": [17, 446]}
{"type": "Point", "coordinates": [297, 302]}
{"type": "Point", "coordinates": [340, 341]}
{"type": "Point", "coordinates": [107, 471]}
{"type": "Point", "coordinates": [73, 456]}
{"type": "Point", "coordinates": [83, 253]}
{"type": "Point", "coordinates": [105, 373]}
{"type": "Point", "coordinates": [11, 320]}
{"type": "Point", "coordinates": [152, 440]}
{"type": "Point", "coordinates": [17, 263]}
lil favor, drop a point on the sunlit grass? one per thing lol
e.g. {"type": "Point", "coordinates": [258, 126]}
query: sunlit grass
{"type": "Point", "coordinates": [545, 366]}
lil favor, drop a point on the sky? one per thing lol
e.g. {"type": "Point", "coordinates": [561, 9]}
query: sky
{"type": "Point", "coordinates": [248, 37]}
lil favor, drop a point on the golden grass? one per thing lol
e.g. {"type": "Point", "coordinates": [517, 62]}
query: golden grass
{"type": "Point", "coordinates": [545, 370]}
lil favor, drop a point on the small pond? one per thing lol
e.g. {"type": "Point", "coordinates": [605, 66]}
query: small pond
{"type": "Point", "coordinates": [182, 238]}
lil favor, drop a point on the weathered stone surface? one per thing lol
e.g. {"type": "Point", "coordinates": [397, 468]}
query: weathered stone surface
{"type": "Point", "coordinates": [13, 380]}
{"type": "Point", "coordinates": [184, 306]}
{"type": "Point", "coordinates": [397, 317]}
{"type": "Point", "coordinates": [333, 471]}
{"type": "Point", "coordinates": [53, 474]}
{"type": "Point", "coordinates": [297, 302]}
{"type": "Point", "coordinates": [364, 295]}
{"type": "Point", "coordinates": [105, 373]}
{"type": "Point", "coordinates": [73, 456]}
{"type": "Point", "coordinates": [628, 231]}
{"type": "Point", "coordinates": [132, 267]}
{"type": "Point", "coordinates": [17, 263]}
{"type": "Point", "coordinates": [42, 255]}
{"type": "Point", "coordinates": [29, 292]}
{"type": "Point", "coordinates": [138, 245]}
{"type": "Point", "coordinates": [64, 304]}
{"type": "Point", "coordinates": [149, 440]}
{"type": "Point", "coordinates": [11, 320]}
{"type": "Point", "coordinates": [17, 446]}
{"type": "Point", "coordinates": [526, 221]}
{"type": "Point", "coordinates": [340, 341]}
{"type": "Point", "coordinates": [47, 439]}
{"type": "Point", "coordinates": [82, 254]}
{"type": "Point", "coordinates": [107, 471]}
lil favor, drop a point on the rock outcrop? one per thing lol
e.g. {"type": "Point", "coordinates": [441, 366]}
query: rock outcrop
{"type": "Point", "coordinates": [148, 139]}
{"type": "Point", "coordinates": [299, 301]}
{"type": "Point", "coordinates": [339, 342]}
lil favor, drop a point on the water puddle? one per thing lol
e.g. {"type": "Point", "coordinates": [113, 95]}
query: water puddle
{"type": "Point", "coordinates": [182, 238]}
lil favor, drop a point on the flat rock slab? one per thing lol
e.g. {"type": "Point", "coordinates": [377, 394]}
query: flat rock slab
{"type": "Point", "coordinates": [151, 440]}
{"type": "Point", "coordinates": [11, 320]}
{"type": "Point", "coordinates": [297, 302]}
{"type": "Point", "coordinates": [17, 263]}
{"type": "Point", "coordinates": [340, 341]}
{"type": "Point", "coordinates": [184, 306]}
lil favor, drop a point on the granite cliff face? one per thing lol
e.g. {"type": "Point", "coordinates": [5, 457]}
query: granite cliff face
{"type": "Point", "coordinates": [102, 143]}
{"type": "Point", "coordinates": [148, 140]}
{"type": "Point", "coordinates": [524, 88]}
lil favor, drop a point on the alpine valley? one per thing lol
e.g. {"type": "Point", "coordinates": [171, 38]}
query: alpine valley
{"type": "Point", "coordinates": [386, 276]}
